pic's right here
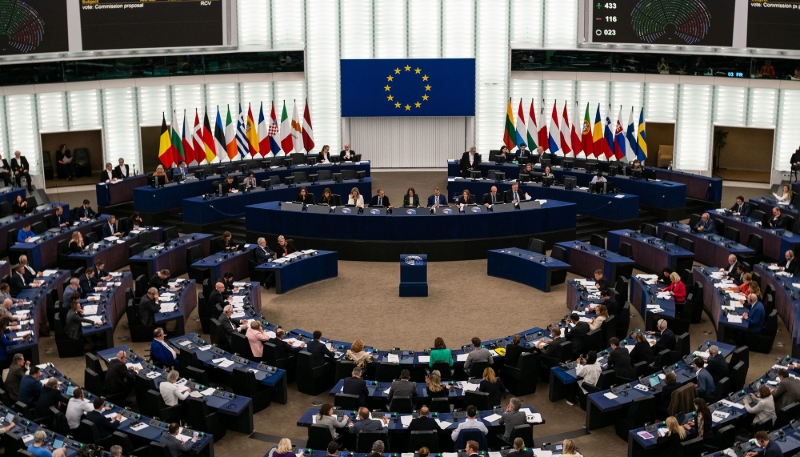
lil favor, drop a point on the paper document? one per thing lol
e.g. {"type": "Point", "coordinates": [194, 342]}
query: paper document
{"type": "Point", "coordinates": [111, 238]}
{"type": "Point", "coordinates": [90, 309]}
{"type": "Point", "coordinates": [84, 324]}
{"type": "Point", "coordinates": [609, 395]}
{"type": "Point", "coordinates": [492, 418]}
{"type": "Point", "coordinates": [131, 366]}
{"type": "Point", "coordinates": [731, 404]}
{"type": "Point", "coordinates": [207, 392]}
{"type": "Point", "coordinates": [111, 417]}
{"type": "Point", "coordinates": [461, 357]}
{"type": "Point", "coordinates": [226, 363]}
{"type": "Point", "coordinates": [424, 359]}
{"type": "Point", "coordinates": [138, 427]}
{"type": "Point", "coordinates": [167, 307]}
{"type": "Point", "coordinates": [49, 272]}
{"type": "Point", "coordinates": [204, 348]}
{"type": "Point", "coordinates": [393, 358]}
{"type": "Point", "coordinates": [734, 319]}
{"type": "Point", "coordinates": [443, 425]}
{"type": "Point", "coordinates": [718, 416]}
{"type": "Point", "coordinates": [406, 421]}
{"type": "Point", "coordinates": [534, 418]}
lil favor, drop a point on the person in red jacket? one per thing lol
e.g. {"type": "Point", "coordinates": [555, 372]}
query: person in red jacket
{"type": "Point", "coordinates": [677, 289]}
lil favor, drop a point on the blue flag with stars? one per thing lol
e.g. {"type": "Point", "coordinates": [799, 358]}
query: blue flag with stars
{"type": "Point", "coordinates": [407, 87]}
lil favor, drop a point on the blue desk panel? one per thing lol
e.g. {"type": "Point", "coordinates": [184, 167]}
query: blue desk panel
{"type": "Point", "coordinates": [173, 254]}
{"type": "Point", "coordinates": [584, 259]}
{"type": "Point", "coordinates": [288, 276]}
{"type": "Point", "coordinates": [648, 251]}
{"type": "Point", "coordinates": [526, 267]}
{"type": "Point", "coordinates": [109, 194]}
{"type": "Point", "coordinates": [767, 202]}
{"type": "Point", "coordinates": [775, 241]}
{"type": "Point", "coordinates": [713, 302]}
{"type": "Point", "coordinates": [708, 249]}
{"type": "Point", "coordinates": [698, 187]}
{"type": "Point", "coordinates": [43, 253]}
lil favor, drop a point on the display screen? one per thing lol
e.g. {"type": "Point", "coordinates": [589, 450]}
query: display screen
{"type": "Point", "coordinates": [773, 24]}
{"type": "Point", "coordinates": [669, 22]}
{"type": "Point", "coordinates": [33, 26]}
{"type": "Point", "coordinates": [119, 24]}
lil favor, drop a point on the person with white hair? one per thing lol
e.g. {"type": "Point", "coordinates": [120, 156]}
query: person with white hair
{"type": "Point", "coordinates": [148, 307]}
{"type": "Point", "coordinates": [716, 364]}
{"type": "Point", "coordinates": [171, 392]}
{"type": "Point", "coordinates": [229, 325]}
{"type": "Point", "coordinates": [666, 340]}
{"type": "Point", "coordinates": [38, 448]}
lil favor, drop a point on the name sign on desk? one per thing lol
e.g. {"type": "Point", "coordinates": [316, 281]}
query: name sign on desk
{"type": "Point", "coordinates": [530, 205]}
{"type": "Point", "coordinates": [502, 208]}
{"type": "Point", "coordinates": [475, 210]}
{"type": "Point", "coordinates": [346, 210]}
{"type": "Point", "coordinates": [319, 209]}
{"type": "Point", "coordinates": [375, 211]}
{"type": "Point", "coordinates": [407, 211]}
{"type": "Point", "coordinates": [291, 206]}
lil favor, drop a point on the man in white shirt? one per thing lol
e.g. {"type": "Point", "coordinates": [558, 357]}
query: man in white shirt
{"type": "Point", "coordinates": [107, 174]}
{"type": "Point", "coordinates": [77, 407]}
{"type": "Point", "coordinates": [172, 393]}
{"type": "Point", "coordinates": [472, 422]}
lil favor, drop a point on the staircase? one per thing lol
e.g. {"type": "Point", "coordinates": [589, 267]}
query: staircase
{"type": "Point", "coordinates": [587, 226]}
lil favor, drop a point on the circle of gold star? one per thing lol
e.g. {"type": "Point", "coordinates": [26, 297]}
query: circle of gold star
{"type": "Point", "coordinates": [407, 106]}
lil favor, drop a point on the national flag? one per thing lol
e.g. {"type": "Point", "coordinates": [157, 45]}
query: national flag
{"type": "Point", "coordinates": [177, 141]}
{"type": "Point", "coordinates": [209, 148]}
{"type": "Point", "coordinates": [509, 134]}
{"type": "Point", "coordinates": [541, 129]}
{"type": "Point", "coordinates": [521, 130]}
{"type": "Point", "coordinates": [165, 152]}
{"type": "Point", "coordinates": [575, 132]}
{"type": "Point", "coordinates": [219, 136]}
{"type": "Point", "coordinates": [531, 129]}
{"type": "Point", "coordinates": [286, 132]}
{"type": "Point", "coordinates": [186, 140]}
{"type": "Point", "coordinates": [598, 142]}
{"type": "Point", "coordinates": [641, 139]}
{"type": "Point", "coordinates": [241, 134]}
{"type": "Point", "coordinates": [273, 133]}
{"type": "Point", "coordinates": [565, 148]}
{"type": "Point", "coordinates": [630, 140]}
{"type": "Point", "coordinates": [619, 138]}
{"type": "Point", "coordinates": [197, 139]}
{"type": "Point", "coordinates": [297, 133]}
{"type": "Point", "coordinates": [251, 132]}
{"type": "Point", "coordinates": [586, 134]}
{"type": "Point", "coordinates": [230, 136]}
{"type": "Point", "coordinates": [555, 133]}
{"type": "Point", "coordinates": [263, 132]}
{"type": "Point", "coordinates": [608, 134]}
{"type": "Point", "coordinates": [308, 131]}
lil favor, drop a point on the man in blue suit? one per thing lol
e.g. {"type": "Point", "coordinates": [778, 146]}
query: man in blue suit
{"type": "Point", "coordinates": [757, 317]}
{"type": "Point", "coordinates": [161, 351]}
{"type": "Point", "coordinates": [111, 228]}
{"type": "Point", "coordinates": [437, 199]}
{"type": "Point", "coordinates": [706, 225]}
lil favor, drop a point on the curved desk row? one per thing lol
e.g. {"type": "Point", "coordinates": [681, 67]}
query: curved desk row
{"type": "Point", "coordinates": [199, 214]}
{"type": "Point", "coordinates": [383, 237]}
{"type": "Point", "coordinates": [775, 242]}
{"type": "Point", "coordinates": [616, 211]}
{"type": "Point", "coordinates": [118, 192]}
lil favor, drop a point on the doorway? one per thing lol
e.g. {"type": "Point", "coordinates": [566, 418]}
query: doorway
{"type": "Point", "coordinates": [743, 153]}
{"type": "Point", "coordinates": [86, 150]}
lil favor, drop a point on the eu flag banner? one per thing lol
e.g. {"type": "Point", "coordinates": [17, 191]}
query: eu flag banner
{"type": "Point", "coordinates": [408, 87]}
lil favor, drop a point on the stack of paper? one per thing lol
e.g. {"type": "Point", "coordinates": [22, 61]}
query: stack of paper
{"type": "Point", "coordinates": [734, 319]}
{"type": "Point", "coordinates": [424, 359]}
{"type": "Point", "coordinates": [461, 358]}
{"type": "Point", "coordinates": [134, 366]}
{"type": "Point", "coordinates": [406, 421]}
{"type": "Point", "coordinates": [393, 358]}
{"type": "Point", "coordinates": [167, 307]}
{"type": "Point", "coordinates": [443, 425]}
{"type": "Point", "coordinates": [83, 324]}
{"type": "Point", "coordinates": [718, 416]}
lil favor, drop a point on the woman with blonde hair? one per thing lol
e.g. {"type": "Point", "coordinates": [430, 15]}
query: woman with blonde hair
{"type": "Point", "coordinates": [424, 452]}
{"type": "Point", "coordinates": [492, 385]}
{"type": "Point", "coordinates": [357, 354]}
{"type": "Point", "coordinates": [356, 198]}
{"type": "Point", "coordinates": [434, 385]}
{"type": "Point", "coordinates": [670, 444]}
{"type": "Point", "coordinates": [787, 196]}
{"type": "Point", "coordinates": [76, 243]}
{"type": "Point", "coordinates": [569, 448]}
{"type": "Point", "coordinates": [602, 315]}
{"type": "Point", "coordinates": [518, 449]}
{"type": "Point", "coordinates": [284, 449]}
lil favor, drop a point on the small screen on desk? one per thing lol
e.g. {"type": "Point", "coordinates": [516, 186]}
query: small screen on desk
{"type": "Point", "coordinates": [654, 381]}
{"type": "Point", "coordinates": [57, 444]}
{"type": "Point", "coordinates": [10, 418]}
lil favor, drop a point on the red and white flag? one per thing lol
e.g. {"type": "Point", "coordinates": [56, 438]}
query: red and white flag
{"type": "Point", "coordinates": [308, 131]}
{"type": "Point", "coordinates": [541, 127]}
{"type": "Point", "coordinates": [565, 138]}
{"type": "Point", "coordinates": [197, 140]}
{"type": "Point", "coordinates": [575, 132]}
{"type": "Point", "coordinates": [186, 139]}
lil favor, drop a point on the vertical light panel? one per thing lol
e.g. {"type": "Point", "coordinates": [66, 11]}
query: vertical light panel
{"type": "Point", "coordinates": [4, 153]}
{"type": "Point", "coordinates": [593, 93]}
{"type": "Point", "coordinates": [424, 25]}
{"type": "Point", "coordinates": [52, 111]}
{"type": "Point", "coordinates": [629, 95]}
{"type": "Point", "coordinates": [288, 23]}
{"type": "Point", "coordinates": [121, 132]}
{"type": "Point", "coordinates": [561, 19]}
{"type": "Point", "coordinates": [660, 102]}
{"type": "Point", "coordinates": [256, 93]}
{"type": "Point", "coordinates": [787, 135]}
{"type": "Point", "coordinates": [458, 28]}
{"type": "Point", "coordinates": [289, 91]}
{"type": "Point", "coordinates": [23, 129]}
{"type": "Point", "coordinates": [761, 108]}
{"type": "Point", "coordinates": [526, 23]}
{"type": "Point", "coordinates": [186, 98]}
{"type": "Point", "coordinates": [84, 109]}
{"type": "Point", "coordinates": [557, 91]}
{"type": "Point", "coordinates": [322, 74]}
{"type": "Point", "coordinates": [491, 71]}
{"type": "Point", "coordinates": [527, 90]}
{"type": "Point", "coordinates": [254, 24]}
{"type": "Point", "coordinates": [356, 28]}
{"type": "Point", "coordinates": [222, 95]}
{"type": "Point", "coordinates": [154, 102]}
{"type": "Point", "coordinates": [693, 129]}
{"type": "Point", "coordinates": [390, 29]}
{"type": "Point", "coordinates": [730, 106]}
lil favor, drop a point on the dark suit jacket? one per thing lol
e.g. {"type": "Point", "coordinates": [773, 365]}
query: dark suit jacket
{"type": "Point", "coordinates": [104, 426]}
{"type": "Point", "coordinates": [612, 306]}
{"type": "Point", "coordinates": [498, 198]}
{"type": "Point", "coordinates": [104, 175]}
{"type": "Point", "coordinates": [717, 367]}
{"type": "Point", "coordinates": [309, 200]}
{"type": "Point", "coordinates": [620, 360]}
{"type": "Point", "coordinates": [119, 174]}
{"type": "Point", "coordinates": [403, 389]}
{"type": "Point", "coordinates": [464, 164]}
{"type": "Point", "coordinates": [18, 284]}
{"type": "Point", "coordinates": [158, 283]}
{"type": "Point", "coordinates": [384, 201]}
{"type": "Point", "coordinates": [667, 341]}
{"type": "Point", "coordinates": [642, 352]}
{"type": "Point", "coordinates": [509, 195]}
{"type": "Point", "coordinates": [215, 298]}
{"type": "Point", "coordinates": [442, 200]}
{"type": "Point", "coordinates": [85, 212]}
{"type": "Point", "coordinates": [732, 274]}
{"type": "Point", "coordinates": [602, 284]}
{"type": "Point", "coordinates": [356, 386]}
{"type": "Point", "coordinates": [110, 230]}
{"type": "Point", "coordinates": [342, 152]}
{"type": "Point", "coordinates": [743, 210]}
{"type": "Point", "coordinates": [412, 202]}
{"type": "Point", "coordinates": [779, 222]}
{"type": "Point", "coordinates": [54, 221]}
{"type": "Point", "coordinates": [118, 377]}
{"type": "Point", "coordinates": [5, 166]}
{"type": "Point", "coordinates": [318, 352]}
{"type": "Point", "coordinates": [49, 397]}
{"type": "Point", "coordinates": [791, 266]}
{"type": "Point", "coordinates": [73, 327]}
{"type": "Point", "coordinates": [147, 311]}
{"type": "Point", "coordinates": [174, 445]}
{"type": "Point", "coordinates": [422, 423]}
{"type": "Point", "coordinates": [513, 353]}
{"type": "Point", "coordinates": [367, 424]}
{"type": "Point", "coordinates": [283, 349]}
{"type": "Point", "coordinates": [21, 166]}
{"type": "Point", "coordinates": [227, 325]}
{"type": "Point", "coordinates": [263, 254]}
{"type": "Point", "coordinates": [86, 283]}
{"type": "Point", "coordinates": [577, 335]}
{"type": "Point", "coordinates": [552, 348]}
{"type": "Point", "coordinates": [494, 389]}
{"type": "Point", "coordinates": [469, 201]}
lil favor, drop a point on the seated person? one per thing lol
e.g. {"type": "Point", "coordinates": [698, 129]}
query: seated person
{"type": "Point", "coordinates": [160, 280]}
{"type": "Point", "coordinates": [111, 228]}
{"type": "Point", "coordinates": [466, 198]}
{"type": "Point", "coordinates": [256, 336]}
{"type": "Point", "coordinates": [600, 281]}
{"type": "Point", "coordinates": [347, 153]}
{"type": "Point", "coordinates": [18, 281]}
{"type": "Point", "coordinates": [355, 198]}
{"type": "Point", "coordinates": [637, 165]}
{"type": "Point", "coordinates": [677, 289]}
{"type": "Point", "coordinates": [327, 198]}
{"type": "Point", "coordinates": [180, 172]}
{"type": "Point", "coordinates": [284, 248]}
{"type": "Point", "coordinates": [324, 154]}
{"type": "Point", "coordinates": [642, 352]}
{"type": "Point", "coordinates": [598, 177]}
{"type": "Point", "coordinates": [730, 269]}
{"type": "Point", "coordinates": [380, 200]}
{"type": "Point", "coordinates": [552, 346]}
{"type": "Point", "coordinates": [25, 234]}
{"type": "Point", "coordinates": [304, 197]}
{"type": "Point", "coordinates": [72, 327]}
{"type": "Point", "coordinates": [229, 325]}
{"type": "Point", "coordinates": [548, 172]}
{"type": "Point", "coordinates": [136, 220]}
{"type": "Point", "coordinates": [58, 219]}
{"type": "Point", "coordinates": [778, 220]}
{"type": "Point", "coordinates": [437, 199]}
{"type": "Point", "coordinates": [756, 316]}
{"type": "Point", "coordinates": [790, 265]}
{"type": "Point", "coordinates": [492, 197]}
{"type": "Point", "coordinates": [20, 206]}
{"type": "Point", "coordinates": [364, 422]}
{"type": "Point", "coordinates": [76, 244]}
{"type": "Point", "coordinates": [85, 280]}
{"type": "Point", "coordinates": [786, 197]}
{"type": "Point", "coordinates": [250, 181]}
{"type": "Point", "coordinates": [161, 352]}
{"type": "Point", "coordinates": [706, 225]}
{"type": "Point", "coordinates": [472, 422]}
{"type": "Point", "coordinates": [514, 195]}
{"type": "Point", "coordinates": [503, 154]}
{"type": "Point", "coordinates": [620, 360]}
{"type": "Point", "coordinates": [119, 378]}
{"type": "Point", "coordinates": [523, 152]}
{"type": "Point", "coordinates": [263, 252]}
{"type": "Point", "coordinates": [229, 186]}
{"type": "Point", "coordinates": [411, 199]}
{"type": "Point", "coordinates": [107, 175]}
{"type": "Point", "coordinates": [740, 208]}
{"type": "Point", "coordinates": [161, 174]}
{"type": "Point", "coordinates": [227, 241]}
{"type": "Point", "coordinates": [85, 212]}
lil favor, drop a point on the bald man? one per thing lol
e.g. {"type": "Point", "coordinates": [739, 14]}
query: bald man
{"type": "Point", "coordinates": [492, 197]}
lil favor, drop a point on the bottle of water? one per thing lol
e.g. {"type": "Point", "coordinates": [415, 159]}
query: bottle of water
{"type": "Point", "coordinates": [670, 166]}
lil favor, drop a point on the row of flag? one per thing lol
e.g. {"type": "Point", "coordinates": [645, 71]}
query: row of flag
{"type": "Point", "coordinates": [240, 137]}
{"type": "Point", "coordinates": [604, 138]}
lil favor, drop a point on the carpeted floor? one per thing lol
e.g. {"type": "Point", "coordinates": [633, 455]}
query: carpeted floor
{"type": "Point", "coordinates": [362, 302]}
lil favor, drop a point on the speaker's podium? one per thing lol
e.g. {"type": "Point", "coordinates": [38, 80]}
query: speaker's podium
{"type": "Point", "coordinates": [413, 275]}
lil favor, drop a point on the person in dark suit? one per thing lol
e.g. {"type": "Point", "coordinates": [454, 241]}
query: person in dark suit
{"type": "Point", "coordinates": [437, 199]}
{"type": "Point", "coordinates": [228, 325]}
{"type": "Point", "coordinates": [347, 153]}
{"type": "Point", "coordinates": [101, 274]}
{"type": "Point", "coordinates": [50, 396]}
{"type": "Point", "coordinates": [577, 333]}
{"type": "Point", "coordinates": [666, 340]}
{"type": "Point", "coordinates": [111, 227]}
{"type": "Point", "coordinates": [514, 195]}
{"type": "Point", "coordinates": [465, 198]}
{"type": "Point", "coordinates": [174, 446]}
{"type": "Point", "coordinates": [106, 427]}
{"type": "Point", "coordinates": [609, 302]}
{"type": "Point", "coordinates": [380, 199]}
{"type": "Point", "coordinates": [790, 265]}
{"type": "Point", "coordinates": [284, 247]}
{"type": "Point", "coordinates": [161, 352]}
{"type": "Point", "coordinates": [262, 252]}
{"type": "Point", "coordinates": [148, 307]}
{"type": "Point", "coordinates": [730, 269]}
{"type": "Point", "coordinates": [642, 352]}
{"type": "Point", "coordinates": [18, 282]}
{"type": "Point", "coordinates": [716, 365]}
{"type": "Point", "coordinates": [160, 280]}
{"type": "Point", "coordinates": [620, 360]}
{"type": "Point", "coordinates": [180, 172]}
{"type": "Point", "coordinates": [767, 447]}
{"type": "Point", "coordinates": [403, 387]}
{"type": "Point", "coordinates": [670, 385]}
{"type": "Point", "coordinates": [327, 198]}
{"type": "Point", "coordinates": [514, 351]}
{"type": "Point", "coordinates": [20, 167]}
{"type": "Point", "coordinates": [20, 206]}
{"type": "Point", "coordinates": [318, 350]}
{"type": "Point", "coordinates": [85, 281]}
{"type": "Point", "coordinates": [470, 160]}
{"type": "Point", "coordinates": [304, 197]}
{"type": "Point", "coordinates": [600, 281]}
{"type": "Point", "coordinates": [72, 327]}
{"type": "Point", "coordinates": [740, 208]}
{"type": "Point", "coordinates": [121, 171]}
{"type": "Point", "coordinates": [30, 387]}
{"type": "Point", "coordinates": [552, 347]}
{"type": "Point", "coordinates": [86, 211]}
{"type": "Point", "coordinates": [66, 166]}
{"type": "Point", "coordinates": [217, 296]}
{"type": "Point", "coordinates": [523, 152]}
{"type": "Point", "coordinates": [365, 423]}
{"type": "Point", "coordinates": [354, 385]}
{"type": "Point", "coordinates": [229, 186]}
{"type": "Point", "coordinates": [492, 197]}
{"type": "Point", "coordinates": [107, 174]}
{"type": "Point", "coordinates": [284, 350]}
{"type": "Point", "coordinates": [5, 171]}
{"type": "Point", "coordinates": [57, 220]}
{"type": "Point", "coordinates": [778, 220]}
{"type": "Point", "coordinates": [706, 225]}
{"type": "Point", "coordinates": [119, 379]}
{"type": "Point", "coordinates": [411, 199]}
{"type": "Point", "coordinates": [423, 422]}
{"type": "Point", "coordinates": [324, 154]}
